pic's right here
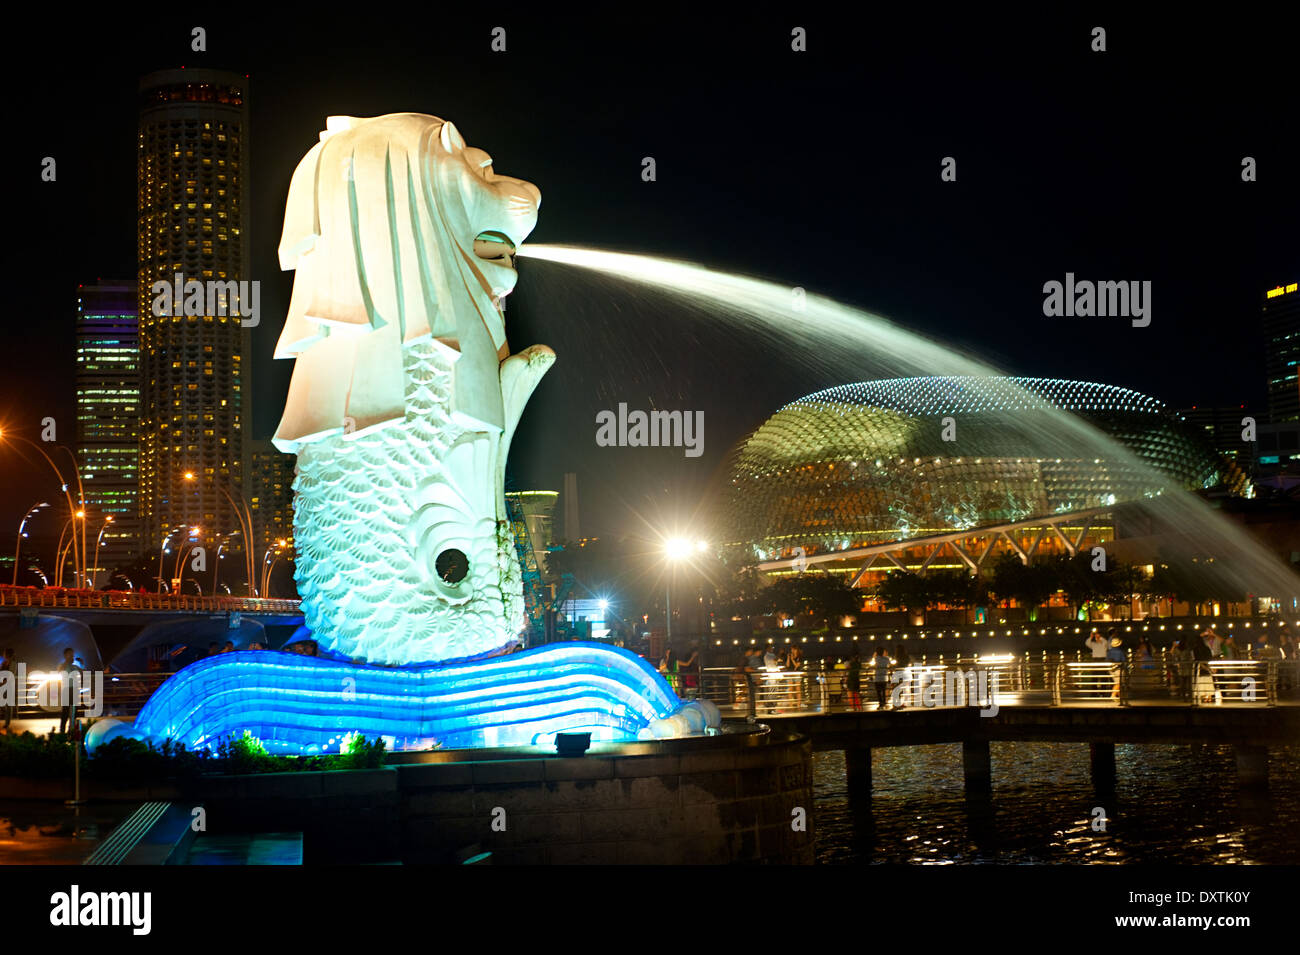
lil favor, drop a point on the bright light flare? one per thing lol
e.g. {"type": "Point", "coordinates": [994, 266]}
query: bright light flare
{"type": "Point", "coordinates": [677, 548]}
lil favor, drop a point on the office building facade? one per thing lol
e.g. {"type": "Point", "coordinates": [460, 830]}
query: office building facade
{"type": "Point", "coordinates": [192, 173]}
{"type": "Point", "coordinates": [108, 419]}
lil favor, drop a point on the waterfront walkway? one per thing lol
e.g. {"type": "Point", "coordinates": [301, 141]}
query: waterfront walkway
{"type": "Point", "coordinates": [1004, 681]}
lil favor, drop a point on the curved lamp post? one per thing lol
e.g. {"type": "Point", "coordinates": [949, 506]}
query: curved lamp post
{"type": "Point", "coordinates": [245, 518]}
{"type": "Point", "coordinates": [98, 540]}
{"type": "Point", "coordinates": [19, 543]}
{"type": "Point", "coordinates": [162, 549]}
{"type": "Point", "coordinates": [267, 568]}
{"type": "Point", "coordinates": [216, 563]}
{"type": "Point", "coordinates": [61, 551]}
{"type": "Point", "coordinates": [79, 555]}
{"type": "Point", "coordinates": [186, 546]}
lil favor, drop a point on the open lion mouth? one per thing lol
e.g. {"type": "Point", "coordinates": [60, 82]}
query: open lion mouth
{"type": "Point", "coordinates": [495, 247]}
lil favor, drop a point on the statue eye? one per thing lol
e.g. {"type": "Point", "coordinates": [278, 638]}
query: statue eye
{"type": "Point", "coordinates": [452, 565]}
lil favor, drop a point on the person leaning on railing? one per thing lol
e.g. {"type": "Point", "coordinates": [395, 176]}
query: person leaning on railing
{"type": "Point", "coordinates": [690, 672]}
{"type": "Point", "coordinates": [747, 670]}
{"type": "Point", "coordinates": [1182, 662]}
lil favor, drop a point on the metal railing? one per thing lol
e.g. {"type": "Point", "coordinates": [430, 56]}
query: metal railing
{"type": "Point", "coordinates": [1022, 681]}
{"type": "Point", "coordinates": [61, 597]}
{"type": "Point", "coordinates": [124, 694]}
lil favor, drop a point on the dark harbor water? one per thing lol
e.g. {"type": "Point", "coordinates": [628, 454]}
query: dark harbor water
{"type": "Point", "coordinates": [1172, 804]}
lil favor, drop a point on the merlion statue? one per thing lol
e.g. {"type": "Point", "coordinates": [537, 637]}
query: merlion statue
{"type": "Point", "coordinates": [405, 395]}
{"type": "Point", "coordinates": [403, 402]}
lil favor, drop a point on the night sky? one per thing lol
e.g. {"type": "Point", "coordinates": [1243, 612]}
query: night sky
{"type": "Point", "coordinates": [817, 169]}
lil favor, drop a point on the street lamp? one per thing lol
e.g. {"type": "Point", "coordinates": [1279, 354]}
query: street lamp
{"type": "Point", "coordinates": [245, 518]}
{"type": "Point", "coordinates": [60, 553]}
{"type": "Point", "coordinates": [266, 570]}
{"type": "Point", "coordinates": [677, 549]}
{"type": "Point", "coordinates": [79, 555]}
{"type": "Point", "coordinates": [19, 543]}
{"type": "Point", "coordinates": [185, 548]}
{"type": "Point", "coordinates": [216, 564]}
{"type": "Point", "coordinates": [107, 520]}
{"type": "Point", "coordinates": [162, 549]}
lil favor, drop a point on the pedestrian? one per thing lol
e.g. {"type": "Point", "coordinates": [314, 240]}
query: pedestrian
{"type": "Point", "coordinates": [1286, 671]}
{"type": "Point", "coordinates": [903, 662]}
{"type": "Point", "coordinates": [748, 670]}
{"type": "Point", "coordinates": [853, 680]}
{"type": "Point", "coordinates": [1202, 651]}
{"type": "Point", "coordinates": [70, 687]}
{"type": "Point", "coordinates": [668, 667]}
{"type": "Point", "coordinates": [10, 665]}
{"type": "Point", "coordinates": [1097, 644]}
{"type": "Point", "coordinates": [1116, 656]}
{"type": "Point", "coordinates": [690, 672]}
{"type": "Point", "coordinates": [1180, 662]}
{"type": "Point", "coordinates": [1146, 658]}
{"type": "Point", "coordinates": [881, 663]}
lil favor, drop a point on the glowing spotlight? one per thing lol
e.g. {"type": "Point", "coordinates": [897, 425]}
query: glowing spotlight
{"type": "Point", "coordinates": [677, 547]}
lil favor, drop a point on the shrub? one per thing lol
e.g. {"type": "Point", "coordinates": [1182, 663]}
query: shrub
{"type": "Point", "coordinates": [35, 757]}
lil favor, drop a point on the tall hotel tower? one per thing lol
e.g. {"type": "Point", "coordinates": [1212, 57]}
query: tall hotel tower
{"type": "Point", "coordinates": [1282, 351]}
{"type": "Point", "coordinates": [108, 419]}
{"type": "Point", "coordinates": [194, 382]}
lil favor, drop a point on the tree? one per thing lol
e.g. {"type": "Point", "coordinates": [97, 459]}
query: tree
{"type": "Point", "coordinates": [1194, 580]}
{"type": "Point", "coordinates": [1030, 585]}
{"type": "Point", "coordinates": [818, 594]}
{"type": "Point", "coordinates": [739, 588]}
{"type": "Point", "coordinates": [904, 590]}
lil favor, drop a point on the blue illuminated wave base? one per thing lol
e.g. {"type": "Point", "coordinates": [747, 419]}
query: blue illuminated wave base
{"type": "Point", "coordinates": [305, 705]}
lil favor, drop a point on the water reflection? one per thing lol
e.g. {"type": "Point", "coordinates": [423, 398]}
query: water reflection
{"type": "Point", "coordinates": [1168, 804]}
{"type": "Point", "coordinates": [43, 833]}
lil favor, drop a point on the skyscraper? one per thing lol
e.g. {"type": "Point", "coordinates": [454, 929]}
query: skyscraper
{"type": "Point", "coordinates": [192, 172]}
{"type": "Point", "coordinates": [108, 416]}
{"type": "Point", "coordinates": [1222, 428]}
{"type": "Point", "coordinates": [270, 492]}
{"type": "Point", "coordinates": [1282, 352]}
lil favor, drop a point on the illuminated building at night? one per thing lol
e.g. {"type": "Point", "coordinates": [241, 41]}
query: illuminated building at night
{"type": "Point", "coordinates": [192, 168]}
{"type": "Point", "coordinates": [108, 408]}
{"type": "Point", "coordinates": [538, 511]}
{"type": "Point", "coordinates": [1281, 314]}
{"type": "Point", "coordinates": [270, 492]}
{"type": "Point", "coordinates": [853, 468]}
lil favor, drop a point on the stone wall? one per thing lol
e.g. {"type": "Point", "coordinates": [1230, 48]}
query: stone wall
{"type": "Point", "coordinates": [718, 800]}
{"type": "Point", "coordinates": [720, 804]}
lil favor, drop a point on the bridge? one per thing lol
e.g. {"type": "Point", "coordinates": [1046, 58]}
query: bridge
{"type": "Point", "coordinates": [129, 622]}
{"type": "Point", "coordinates": [116, 602]}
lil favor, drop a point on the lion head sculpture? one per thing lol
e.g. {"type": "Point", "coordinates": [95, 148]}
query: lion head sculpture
{"type": "Point", "coordinates": [404, 396]}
